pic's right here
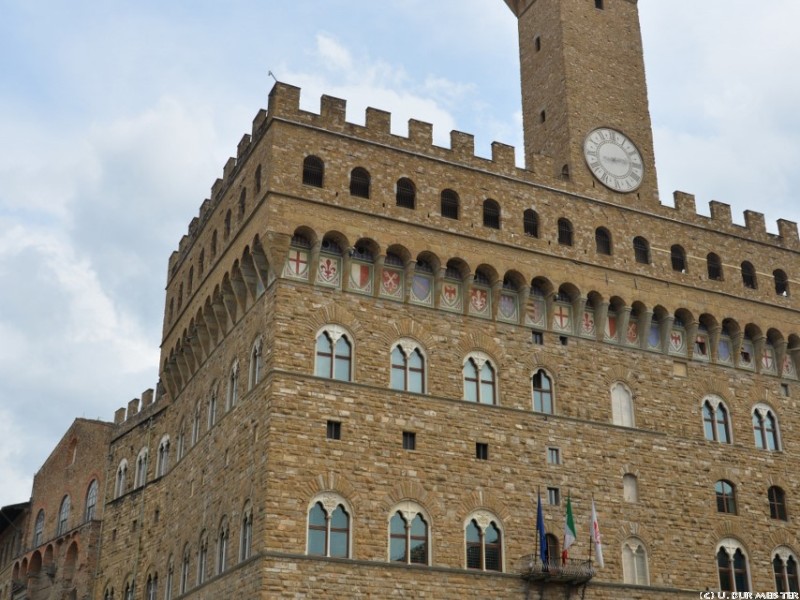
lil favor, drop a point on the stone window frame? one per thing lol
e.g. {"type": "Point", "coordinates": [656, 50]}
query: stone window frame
{"type": "Point", "coordinates": [186, 564]}
{"type": "Point", "coordinates": [641, 250]}
{"type": "Point", "coordinates": [140, 477]}
{"type": "Point", "coordinates": [360, 183]}
{"type": "Point", "coordinates": [530, 223]}
{"type": "Point", "coordinates": [551, 392]}
{"type": "Point", "coordinates": [407, 347]}
{"type": "Point", "coordinates": [330, 501]}
{"type": "Point", "coordinates": [730, 546]}
{"type": "Point", "coordinates": [63, 515]}
{"type": "Point", "coordinates": [409, 510]}
{"type": "Point", "coordinates": [483, 519]}
{"type": "Point", "coordinates": [334, 333]}
{"type": "Point", "coordinates": [776, 496]}
{"type": "Point", "coordinates": [91, 500]}
{"type": "Point", "coordinates": [256, 358]}
{"type": "Point", "coordinates": [121, 478]}
{"type": "Point", "coordinates": [783, 555]}
{"type": "Point", "coordinates": [450, 204]}
{"type": "Point", "coordinates": [479, 360]}
{"type": "Point", "coordinates": [313, 171]}
{"type": "Point", "coordinates": [196, 420]}
{"type": "Point", "coordinates": [246, 532]}
{"type": "Point", "coordinates": [232, 391]}
{"type": "Point", "coordinates": [223, 545]}
{"type": "Point", "coordinates": [202, 558]}
{"type": "Point", "coordinates": [725, 491]}
{"type": "Point", "coordinates": [170, 577]}
{"type": "Point", "coordinates": [492, 214]}
{"type": "Point", "coordinates": [603, 241]}
{"type": "Point", "coordinates": [630, 488]}
{"type": "Point", "coordinates": [714, 402]}
{"type": "Point", "coordinates": [632, 547]}
{"type": "Point", "coordinates": [622, 410]}
{"type": "Point", "coordinates": [762, 412]}
{"type": "Point", "coordinates": [162, 459]}
{"type": "Point", "coordinates": [213, 406]}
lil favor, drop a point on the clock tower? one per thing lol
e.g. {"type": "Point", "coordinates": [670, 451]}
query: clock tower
{"type": "Point", "coordinates": [584, 95]}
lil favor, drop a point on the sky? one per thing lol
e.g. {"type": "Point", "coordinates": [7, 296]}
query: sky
{"type": "Point", "coordinates": [117, 117]}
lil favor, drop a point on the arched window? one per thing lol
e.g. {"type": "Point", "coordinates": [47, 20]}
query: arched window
{"type": "Point", "coordinates": [678, 258]}
{"type": "Point", "coordinates": [242, 203]}
{"type": "Point", "coordinates": [408, 367]}
{"type": "Point", "coordinates": [222, 546]}
{"type": "Point", "coordinates": [334, 355]}
{"type": "Point", "coordinates": [714, 265]}
{"type": "Point", "coordinates": [141, 469]}
{"type": "Point", "coordinates": [162, 465]}
{"type": "Point", "coordinates": [246, 534]}
{"type": "Point", "coordinates": [715, 421]}
{"type": "Point", "coordinates": [726, 497]}
{"type": "Point", "coordinates": [201, 263]}
{"type": "Point", "coordinates": [63, 516]}
{"type": "Point", "coordinates": [784, 566]}
{"type": "Point", "coordinates": [233, 386]}
{"type": "Point", "coordinates": [749, 276]}
{"type": "Point", "coordinates": [621, 405]}
{"type": "Point", "coordinates": [198, 409]}
{"type": "Point", "coordinates": [38, 529]}
{"type": "Point", "coordinates": [732, 566]}
{"type": "Point", "coordinates": [491, 214]}
{"type": "Point", "coordinates": [359, 182]}
{"type": "Point", "coordinates": [630, 487]}
{"type": "Point", "coordinates": [170, 576]}
{"type": "Point", "coordinates": [151, 588]}
{"type": "Point", "coordinates": [190, 282]}
{"type": "Point", "coordinates": [479, 379]}
{"type": "Point", "coordinates": [257, 179]}
{"type": "Point", "coordinates": [781, 282]}
{"type": "Point", "coordinates": [329, 528]}
{"type": "Point", "coordinates": [214, 244]}
{"type": "Point", "coordinates": [212, 408]}
{"type": "Point", "coordinates": [634, 562]}
{"type": "Point", "coordinates": [202, 558]}
{"type": "Point", "coordinates": [313, 171]}
{"type": "Point", "coordinates": [406, 193]}
{"type": "Point", "coordinates": [542, 392]}
{"type": "Point", "coordinates": [602, 240]}
{"type": "Point", "coordinates": [185, 563]}
{"type": "Point", "coordinates": [765, 428]}
{"type": "Point", "coordinates": [409, 536]}
{"type": "Point", "coordinates": [109, 593]}
{"type": "Point", "coordinates": [641, 250]}
{"type": "Point", "coordinates": [255, 364]}
{"type": "Point", "coordinates": [530, 223]}
{"type": "Point", "coordinates": [129, 590]}
{"type": "Point", "coordinates": [484, 544]}
{"type": "Point", "coordinates": [777, 503]}
{"type": "Point", "coordinates": [564, 232]}
{"type": "Point", "coordinates": [121, 481]}
{"type": "Point", "coordinates": [91, 501]}
{"type": "Point", "coordinates": [226, 232]}
{"type": "Point", "coordinates": [449, 204]}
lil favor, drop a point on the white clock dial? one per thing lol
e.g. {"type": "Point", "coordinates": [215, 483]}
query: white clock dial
{"type": "Point", "coordinates": [613, 159]}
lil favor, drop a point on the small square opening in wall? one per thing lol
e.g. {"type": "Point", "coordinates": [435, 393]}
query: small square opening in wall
{"type": "Point", "coordinates": [537, 338]}
{"type": "Point", "coordinates": [409, 440]}
{"type": "Point", "coordinates": [785, 389]}
{"type": "Point", "coordinates": [482, 451]}
{"type": "Point", "coordinates": [553, 496]}
{"type": "Point", "coordinates": [563, 339]}
{"type": "Point", "coordinates": [334, 430]}
{"type": "Point", "coordinates": [553, 456]}
{"type": "Point", "coordinates": [599, 4]}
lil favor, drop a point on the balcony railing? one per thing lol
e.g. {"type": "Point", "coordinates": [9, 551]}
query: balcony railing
{"type": "Point", "coordinates": [575, 572]}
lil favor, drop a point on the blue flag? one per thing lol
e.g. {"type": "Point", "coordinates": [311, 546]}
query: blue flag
{"type": "Point", "coordinates": [541, 532]}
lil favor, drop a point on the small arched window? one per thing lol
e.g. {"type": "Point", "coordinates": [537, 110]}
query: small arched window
{"type": "Point", "coordinates": [120, 486]}
{"type": "Point", "coordinates": [334, 355]}
{"type": "Point", "coordinates": [777, 503]}
{"type": "Point", "coordinates": [634, 562]}
{"type": "Point", "coordinates": [641, 250]}
{"type": "Point", "coordinates": [185, 563]}
{"type": "Point", "coordinates": [151, 587]}
{"type": "Point", "coordinates": [223, 537]}
{"type": "Point", "coordinates": [408, 539]}
{"type": "Point", "coordinates": [255, 364]}
{"type": "Point", "coordinates": [202, 559]}
{"type": "Point", "coordinates": [749, 276]}
{"type": "Point", "coordinates": [602, 239]}
{"type": "Point", "coordinates": [449, 204]}
{"type": "Point", "coordinates": [733, 568]}
{"type": "Point", "coordinates": [257, 179]}
{"type": "Point", "coordinates": [233, 386]}
{"type": "Point", "coordinates": [621, 405]}
{"type": "Point", "coordinates": [141, 468]}
{"type": "Point", "coordinates": [226, 232]}
{"type": "Point", "coordinates": [630, 487]}
{"type": "Point", "coordinates": [678, 258]}
{"type": "Point", "coordinates": [564, 232]}
{"type": "Point", "coordinates": [406, 193]}
{"type": "Point", "coordinates": [242, 203]}
{"type": "Point", "coordinates": [212, 408]}
{"type": "Point", "coordinates": [313, 171]}
{"type": "Point", "coordinates": [765, 428]}
{"type": "Point", "coordinates": [716, 426]}
{"type": "Point", "coordinates": [784, 566]}
{"type": "Point", "coordinates": [479, 379]}
{"type": "Point", "coordinates": [530, 223]}
{"type": "Point", "coordinates": [491, 214]}
{"type": "Point", "coordinates": [359, 182]}
{"type": "Point", "coordinates": [162, 465]}
{"type": "Point", "coordinates": [781, 282]}
{"type": "Point", "coordinates": [484, 546]}
{"type": "Point", "coordinates": [246, 534]}
{"type": "Point", "coordinates": [542, 392]}
{"type": "Point", "coordinates": [214, 244]}
{"type": "Point", "coordinates": [408, 368]}
{"type": "Point", "coordinates": [91, 501]}
{"type": "Point", "coordinates": [726, 497]}
{"type": "Point", "coordinates": [196, 419]}
{"type": "Point", "coordinates": [63, 516]}
{"type": "Point", "coordinates": [329, 529]}
{"type": "Point", "coordinates": [38, 529]}
{"type": "Point", "coordinates": [714, 265]}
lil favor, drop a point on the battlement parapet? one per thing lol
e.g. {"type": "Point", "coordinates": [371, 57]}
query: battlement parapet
{"type": "Point", "coordinates": [138, 409]}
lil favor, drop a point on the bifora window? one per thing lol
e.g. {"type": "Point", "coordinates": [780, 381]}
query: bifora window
{"type": "Point", "coordinates": [333, 355]}
{"type": "Point", "coordinates": [329, 530]}
{"type": "Point", "coordinates": [715, 421]}
{"type": "Point", "coordinates": [784, 566]}
{"type": "Point", "coordinates": [408, 538]}
{"type": "Point", "coordinates": [732, 567]}
{"type": "Point", "coordinates": [479, 380]}
{"type": "Point", "coordinates": [408, 368]}
{"type": "Point", "coordinates": [484, 545]}
{"type": "Point", "coordinates": [765, 428]}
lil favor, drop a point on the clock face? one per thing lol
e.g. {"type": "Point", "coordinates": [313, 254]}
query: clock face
{"type": "Point", "coordinates": [613, 159]}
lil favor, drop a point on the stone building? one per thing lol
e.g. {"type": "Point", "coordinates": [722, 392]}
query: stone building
{"type": "Point", "coordinates": [49, 546]}
{"type": "Point", "coordinates": [379, 354]}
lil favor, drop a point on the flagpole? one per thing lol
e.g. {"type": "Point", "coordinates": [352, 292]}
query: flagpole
{"type": "Point", "coordinates": [591, 535]}
{"type": "Point", "coordinates": [538, 533]}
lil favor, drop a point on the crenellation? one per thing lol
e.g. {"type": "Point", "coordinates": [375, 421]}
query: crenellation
{"type": "Point", "coordinates": [228, 170]}
{"type": "Point", "coordinates": [183, 245]}
{"type": "Point", "coordinates": [133, 408]}
{"type": "Point", "coordinates": [504, 156]}
{"type": "Point", "coordinates": [119, 416]}
{"type": "Point", "coordinates": [284, 100]}
{"type": "Point", "coordinates": [333, 112]}
{"type": "Point", "coordinates": [754, 221]}
{"type": "Point", "coordinates": [787, 231]}
{"type": "Point", "coordinates": [462, 145]}
{"type": "Point", "coordinates": [721, 212]}
{"type": "Point", "coordinates": [216, 191]}
{"type": "Point", "coordinates": [205, 210]}
{"type": "Point", "coordinates": [259, 122]}
{"type": "Point", "coordinates": [147, 398]}
{"type": "Point", "coordinates": [378, 121]}
{"type": "Point", "coordinates": [243, 146]}
{"type": "Point", "coordinates": [685, 203]}
{"type": "Point", "coordinates": [420, 134]}
{"type": "Point", "coordinates": [194, 226]}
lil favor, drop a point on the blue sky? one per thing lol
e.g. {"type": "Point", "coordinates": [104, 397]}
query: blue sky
{"type": "Point", "coordinates": [116, 118]}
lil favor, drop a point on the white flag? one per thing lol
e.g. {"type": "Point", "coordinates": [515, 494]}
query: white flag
{"type": "Point", "coordinates": [598, 545]}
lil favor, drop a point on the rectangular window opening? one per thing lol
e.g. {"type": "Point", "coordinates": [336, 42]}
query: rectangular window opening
{"type": "Point", "coordinates": [553, 496]}
{"type": "Point", "coordinates": [482, 451]}
{"type": "Point", "coordinates": [785, 389]}
{"type": "Point", "coordinates": [538, 338]}
{"type": "Point", "coordinates": [553, 456]}
{"type": "Point", "coordinates": [409, 440]}
{"type": "Point", "coordinates": [334, 430]}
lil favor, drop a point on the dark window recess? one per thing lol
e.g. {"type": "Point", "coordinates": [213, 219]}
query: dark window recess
{"type": "Point", "coordinates": [359, 183]}
{"type": "Point", "coordinates": [714, 267]}
{"type": "Point", "coordinates": [406, 193]}
{"type": "Point", "coordinates": [482, 451]}
{"type": "Point", "coordinates": [603, 241]}
{"type": "Point", "coordinates": [537, 338]}
{"type": "Point", "coordinates": [491, 214]}
{"type": "Point", "coordinates": [449, 207]}
{"type": "Point", "coordinates": [641, 250]}
{"type": "Point", "coordinates": [530, 223]}
{"type": "Point", "coordinates": [564, 232]}
{"type": "Point", "coordinates": [409, 440]}
{"type": "Point", "coordinates": [334, 430]}
{"type": "Point", "coordinates": [313, 171]}
{"type": "Point", "coordinates": [678, 258]}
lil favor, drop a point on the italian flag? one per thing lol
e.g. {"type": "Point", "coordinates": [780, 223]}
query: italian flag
{"type": "Point", "coordinates": [569, 528]}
